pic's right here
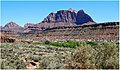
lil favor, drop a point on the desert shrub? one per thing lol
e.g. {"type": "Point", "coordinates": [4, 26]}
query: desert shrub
{"type": "Point", "coordinates": [51, 63]}
{"type": "Point", "coordinates": [35, 58]}
{"type": "Point", "coordinates": [107, 55]}
{"type": "Point", "coordinates": [102, 56]}
{"type": "Point", "coordinates": [84, 56]}
{"type": "Point", "coordinates": [19, 64]}
{"type": "Point", "coordinates": [13, 64]}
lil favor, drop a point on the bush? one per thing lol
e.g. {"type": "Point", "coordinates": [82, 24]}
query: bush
{"type": "Point", "coordinates": [51, 63]}
{"type": "Point", "coordinates": [13, 64]}
{"type": "Point", "coordinates": [84, 56]}
{"type": "Point", "coordinates": [103, 56]}
{"type": "Point", "coordinates": [107, 55]}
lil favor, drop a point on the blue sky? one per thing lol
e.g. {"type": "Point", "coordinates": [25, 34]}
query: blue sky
{"type": "Point", "coordinates": [23, 12]}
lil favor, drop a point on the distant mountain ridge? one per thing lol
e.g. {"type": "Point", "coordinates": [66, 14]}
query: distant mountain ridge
{"type": "Point", "coordinates": [68, 17]}
{"type": "Point", "coordinates": [12, 27]}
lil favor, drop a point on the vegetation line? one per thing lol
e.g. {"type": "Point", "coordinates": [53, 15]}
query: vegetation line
{"type": "Point", "coordinates": [72, 44]}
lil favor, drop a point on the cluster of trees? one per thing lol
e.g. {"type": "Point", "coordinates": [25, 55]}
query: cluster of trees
{"type": "Point", "coordinates": [69, 44]}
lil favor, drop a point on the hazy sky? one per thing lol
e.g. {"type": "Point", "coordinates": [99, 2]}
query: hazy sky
{"type": "Point", "coordinates": [23, 12]}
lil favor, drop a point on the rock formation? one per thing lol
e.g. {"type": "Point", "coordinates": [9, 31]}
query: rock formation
{"type": "Point", "coordinates": [68, 17]}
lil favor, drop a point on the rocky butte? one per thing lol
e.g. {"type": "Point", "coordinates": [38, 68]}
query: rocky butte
{"type": "Point", "coordinates": [68, 17]}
